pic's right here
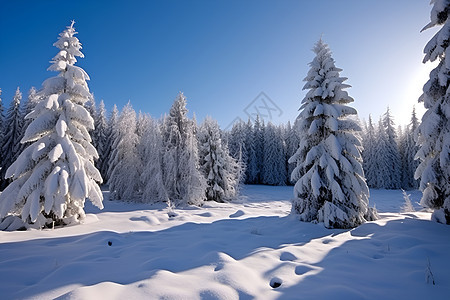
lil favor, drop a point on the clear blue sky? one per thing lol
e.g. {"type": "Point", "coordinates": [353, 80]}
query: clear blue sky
{"type": "Point", "coordinates": [222, 54]}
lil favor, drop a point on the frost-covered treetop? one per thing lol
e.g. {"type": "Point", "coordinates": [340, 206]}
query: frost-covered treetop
{"type": "Point", "coordinates": [75, 77]}
{"type": "Point", "coordinates": [323, 78]}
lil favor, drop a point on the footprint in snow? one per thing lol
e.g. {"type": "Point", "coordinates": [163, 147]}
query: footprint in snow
{"type": "Point", "coordinates": [237, 214]}
{"type": "Point", "coordinates": [287, 256]}
{"type": "Point", "coordinates": [275, 282]}
{"type": "Point", "coordinates": [326, 241]}
{"type": "Point", "coordinates": [300, 270]}
{"type": "Point", "coordinates": [206, 215]}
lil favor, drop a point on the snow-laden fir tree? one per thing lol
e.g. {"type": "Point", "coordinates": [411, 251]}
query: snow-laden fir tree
{"type": "Point", "coordinates": [274, 168]}
{"type": "Point", "coordinates": [330, 185]}
{"type": "Point", "coordinates": [92, 109]}
{"type": "Point", "coordinates": [258, 140]}
{"type": "Point", "coordinates": [391, 152]}
{"type": "Point", "coordinates": [182, 179]}
{"type": "Point", "coordinates": [153, 188]}
{"type": "Point", "coordinates": [125, 177]}
{"type": "Point", "coordinates": [236, 142]}
{"type": "Point", "coordinates": [408, 149]}
{"type": "Point", "coordinates": [11, 135]}
{"type": "Point", "coordinates": [220, 169]}
{"type": "Point", "coordinates": [25, 110]}
{"type": "Point", "coordinates": [434, 131]}
{"type": "Point", "coordinates": [53, 177]}
{"type": "Point", "coordinates": [111, 133]}
{"type": "Point", "coordinates": [100, 132]}
{"type": "Point", "coordinates": [381, 166]}
{"type": "Point", "coordinates": [369, 162]}
{"type": "Point", "coordinates": [1, 132]}
{"type": "Point", "coordinates": [251, 170]}
{"type": "Point", "coordinates": [292, 143]}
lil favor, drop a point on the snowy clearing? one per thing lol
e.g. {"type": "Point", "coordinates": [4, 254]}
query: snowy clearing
{"type": "Point", "coordinates": [251, 248]}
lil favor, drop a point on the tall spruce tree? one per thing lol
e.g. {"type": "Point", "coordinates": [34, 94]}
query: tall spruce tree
{"type": "Point", "coordinates": [25, 110]}
{"type": "Point", "coordinates": [152, 176]}
{"type": "Point", "coordinates": [111, 135]}
{"type": "Point", "coordinates": [251, 170]}
{"type": "Point", "coordinates": [258, 140]}
{"type": "Point", "coordinates": [330, 185]}
{"type": "Point", "coordinates": [219, 168]}
{"type": "Point", "coordinates": [182, 179]}
{"type": "Point", "coordinates": [101, 131]}
{"type": "Point", "coordinates": [369, 162]}
{"type": "Point", "coordinates": [409, 151]}
{"type": "Point", "coordinates": [392, 155]}
{"type": "Point", "coordinates": [274, 168]}
{"type": "Point", "coordinates": [53, 177]}
{"type": "Point", "coordinates": [292, 143]}
{"type": "Point", "coordinates": [11, 135]}
{"type": "Point", "coordinates": [434, 131]}
{"type": "Point", "coordinates": [125, 177]}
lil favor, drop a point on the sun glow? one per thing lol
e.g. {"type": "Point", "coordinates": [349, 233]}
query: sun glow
{"type": "Point", "coordinates": [412, 92]}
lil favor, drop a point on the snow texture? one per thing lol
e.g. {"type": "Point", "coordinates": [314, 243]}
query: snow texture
{"type": "Point", "coordinates": [136, 251]}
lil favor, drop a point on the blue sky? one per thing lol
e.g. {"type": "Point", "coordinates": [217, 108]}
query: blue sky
{"type": "Point", "coordinates": [222, 54]}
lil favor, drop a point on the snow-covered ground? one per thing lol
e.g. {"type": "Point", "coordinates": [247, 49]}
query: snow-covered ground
{"type": "Point", "coordinates": [251, 248]}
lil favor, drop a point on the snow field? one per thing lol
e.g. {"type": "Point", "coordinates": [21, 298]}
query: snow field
{"type": "Point", "coordinates": [250, 248]}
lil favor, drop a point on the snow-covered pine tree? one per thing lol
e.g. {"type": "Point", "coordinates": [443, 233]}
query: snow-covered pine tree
{"type": "Point", "coordinates": [11, 135]}
{"type": "Point", "coordinates": [125, 177]}
{"type": "Point", "coordinates": [152, 177]}
{"type": "Point", "coordinates": [392, 155]}
{"type": "Point", "coordinates": [251, 170]}
{"type": "Point", "coordinates": [409, 163]}
{"type": "Point", "coordinates": [92, 109]}
{"type": "Point", "coordinates": [274, 168]}
{"type": "Point", "coordinates": [219, 168]}
{"type": "Point", "coordinates": [236, 143]}
{"type": "Point", "coordinates": [182, 179]}
{"type": "Point", "coordinates": [54, 176]}
{"type": "Point", "coordinates": [330, 185]}
{"type": "Point", "coordinates": [25, 110]}
{"type": "Point", "coordinates": [101, 131]}
{"type": "Point", "coordinates": [258, 140]}
{"type": "Point", "coordinates": [381, 167]}
{"type": "Point", "coordinates": [292, 143]}
{"type": "Point", "coordinates": [369, 162]}
{"type": "Point", "coordinates": [111, 136]}
{"type": "Point", "coordinates": [2, 118]}
{"type": "Point", "coordinates": [434, 131]}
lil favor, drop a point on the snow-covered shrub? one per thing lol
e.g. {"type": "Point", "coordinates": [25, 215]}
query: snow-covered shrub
{"type": "Point", "coordinates": [54, 176]}
{"type": "Point", "coordinates": [407, 207]}
{"type": "Point", "coordinates": [330, 185]}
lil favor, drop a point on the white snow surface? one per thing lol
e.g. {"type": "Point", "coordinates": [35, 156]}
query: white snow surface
{"type": "Point", "coordinates": [251, 248]}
